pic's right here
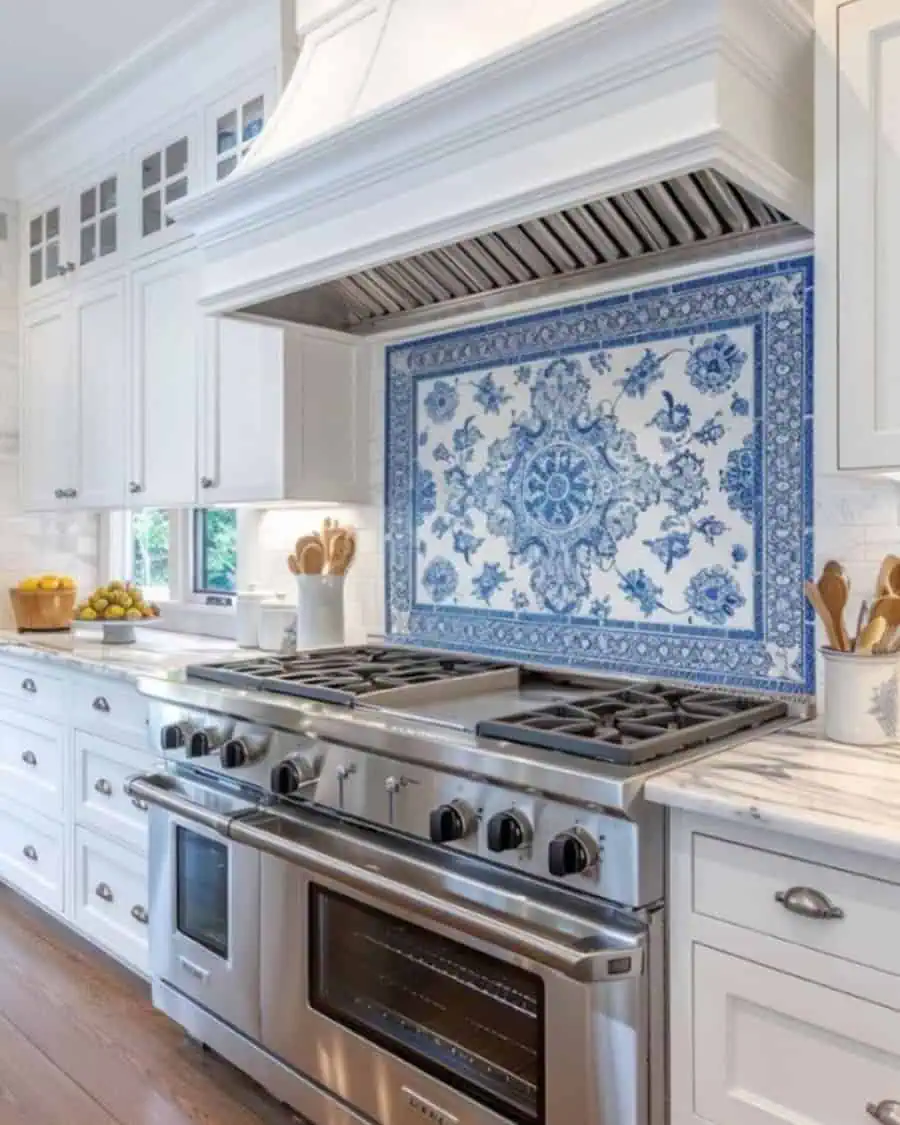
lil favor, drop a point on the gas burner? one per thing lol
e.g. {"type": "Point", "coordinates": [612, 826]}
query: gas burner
{"type": "Point", "coordinates": [343, 675]}
{"type": "Point", "coordinates": [633, 724]}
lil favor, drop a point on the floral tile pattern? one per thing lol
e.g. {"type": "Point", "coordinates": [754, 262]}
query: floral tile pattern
{"type": "Point", "coordinates": [624, 484]}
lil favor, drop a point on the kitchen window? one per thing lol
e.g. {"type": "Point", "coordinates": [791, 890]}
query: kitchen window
{"type": "Point", "coordinates": [215, 551]}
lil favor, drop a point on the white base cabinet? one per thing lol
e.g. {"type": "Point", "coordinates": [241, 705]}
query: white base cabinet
{"type": "Point", "coordinates": [776, 1017]}
{"type": "Point", "coordinates": [71, 838]}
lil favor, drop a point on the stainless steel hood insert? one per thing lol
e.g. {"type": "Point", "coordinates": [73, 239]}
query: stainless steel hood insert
{"type": "Point", "coordinates": [488, 152]}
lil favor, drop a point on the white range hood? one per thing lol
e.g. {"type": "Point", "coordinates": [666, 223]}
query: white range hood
{"type": "Point", "coordinates": [431, 154]}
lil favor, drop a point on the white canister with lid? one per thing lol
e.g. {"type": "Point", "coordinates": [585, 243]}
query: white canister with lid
{"type": "Point", "coordinates": [247, 606]}
{"type": "Point", "coordinates": [277, 626]}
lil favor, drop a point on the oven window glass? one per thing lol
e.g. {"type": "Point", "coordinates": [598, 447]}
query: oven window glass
{"type": "Point", "coordinates": [202, 890]}
{"type": "Point", "coordinates": [469, 1019]}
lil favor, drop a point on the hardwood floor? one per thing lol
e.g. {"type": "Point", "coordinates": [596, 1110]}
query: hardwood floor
{"type": "Point", "coordinates": [80, 1043]}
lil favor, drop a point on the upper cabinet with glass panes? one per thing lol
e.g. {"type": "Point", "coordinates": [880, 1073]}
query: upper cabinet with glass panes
{"type": "Point", "coordinates": [167, 170]}
{"type": "Point", "coordinates": [233, 123]}
{"type": "Point", "coordinates": [46, 248]}
{"type": "Point", "coordinates": [99, 223]}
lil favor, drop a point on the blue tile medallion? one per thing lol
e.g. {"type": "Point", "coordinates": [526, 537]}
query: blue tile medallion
{"type": "Point", "coordinates": [624, 484]}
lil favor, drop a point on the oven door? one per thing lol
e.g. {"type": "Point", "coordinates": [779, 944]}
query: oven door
{"type": "Point", "coordinates": [415, 989]}
{"type": "Point", "coordinates": [204, 898]}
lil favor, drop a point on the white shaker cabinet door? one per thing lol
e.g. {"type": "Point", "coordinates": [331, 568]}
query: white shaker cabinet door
{"type": "Point", "coordinates": [166, 356]}
{"type": "Point", "coordinates": [49, 408]}
{"type": "Point", "coordinates": [101, 364]}
{"type": "Point", "coordinates": [868, 235]}
{"type": "Point", "coordinates": [772, 1049]}
{"type": "Point", "coordinates": [242, 413]}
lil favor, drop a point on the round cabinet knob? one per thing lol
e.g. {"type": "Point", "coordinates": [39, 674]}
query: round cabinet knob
{"type": "Point", "coordinates": [451, 822]}
{"type": "Point", "coordinates": [237, 752]}
{"type": "Point", "coordinates": [174, 735]}
{"type": "Point", "coordinates": [507, 831]}
{"type": "Point", "coordinates": [570, 853]}
{"type": "Point", "coordinates": [289, 775]}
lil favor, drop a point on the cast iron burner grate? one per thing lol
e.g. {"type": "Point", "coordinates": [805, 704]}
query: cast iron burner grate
{"type": "Point", "coordinates": [633, 724]}
{"type": "Point", "coordinates": [340, 675]}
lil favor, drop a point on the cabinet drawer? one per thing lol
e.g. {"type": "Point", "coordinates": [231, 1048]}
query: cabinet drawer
{"type": "Point", "coordinates": [101, 770]}
{"type": "Point", "coordinates": [772, 1048]}
{"type": "Point", "coordinates": [31, 855]}
{"type": "Point", "coordinates": [738, 884]}
{"type": "Point", "coordinates": [32, 757]}
{"type": "Point", "coordinates": [113, 708]}
{"type": "Point", "coordinates": [111, 896]}
{"type": "Point", "coordinates": [32, 689]}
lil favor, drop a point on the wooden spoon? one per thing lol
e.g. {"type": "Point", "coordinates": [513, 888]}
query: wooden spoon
{"type": "Point", "coordinates": [818, 604]}
{"type": "Point", "coordinates": [343, 550]}
{"type": "Point", "coordinates": [835, 590]}
{"type": "Point", "coordinates": [871, 635]}
{"type": "Point", "coordinates": [833, 567]}
{"type": "Point", "coordinates": [303, 541]}
{"type": "Point", "coordinates": [312, 559]}
{"type": "Point", "coordinates": [293, 565]}
{"type": "Point", "coordinates": [884, 583]}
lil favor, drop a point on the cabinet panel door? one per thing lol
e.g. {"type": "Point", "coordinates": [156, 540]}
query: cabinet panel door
{"type": "Point", "coordinates": [49, 408]}
{"type": "Point", "coordinates": [166, 356]}
{"type": "Point", "coordinates": [772, 1049]}
{"type": "Point", "coordinates": [868, 130]}
{"type": "Point", "coordinates": [101, 359]}
{"type": "Point", "coordinates": [242, 447]}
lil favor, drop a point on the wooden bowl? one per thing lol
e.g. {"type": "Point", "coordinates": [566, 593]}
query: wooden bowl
{"type": "Point", "coordinates": [42, 611]}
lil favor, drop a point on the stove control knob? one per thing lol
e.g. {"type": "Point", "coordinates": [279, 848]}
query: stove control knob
{"type": "Point", "coordinates": [507, 831]}
{"type": "Point", "coordinates": [237, 752]}
{"type": "Point", "coordinates": [289, 775]}
{"type": "Point", "coordinates": [451, 822]}
{"type": "Point", "coordinates": [204, 742]}
{"type": "Point", "coordinates": [572, 852]}
{"type": "Point", "coordinates": [175, 735]}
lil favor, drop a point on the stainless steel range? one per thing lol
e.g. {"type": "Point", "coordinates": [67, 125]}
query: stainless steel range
{"type": "Point", "coordinates": [398, 886]}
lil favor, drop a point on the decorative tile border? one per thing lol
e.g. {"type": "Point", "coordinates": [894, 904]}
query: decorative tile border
{"type": "Point", "coordinates": [624, 484]}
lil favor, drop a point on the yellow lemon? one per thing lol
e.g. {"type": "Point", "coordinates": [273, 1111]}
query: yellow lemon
{"type": "Point", "coordinates": [66, 583]}
{"type": "Point", "coordinates": [116, 585]}
{"type": "Point", "coordinates": [49, 584]}
{"type": "Point", "coordinates": [28, 584]}
{"type": "Point", "coordinates": [100, 604]}
{"type": "Point", "coordinates": [133, 615]}
{"type": "Point", "coordinates": [87, 614]}
{"type": "Point", "coordinates": [114, 613]}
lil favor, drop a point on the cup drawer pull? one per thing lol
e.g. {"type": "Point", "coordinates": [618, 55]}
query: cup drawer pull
{"type": "Point", "coordinates": [101, 703]}
{"type": "Point", "coordinates": [140, 803]}
{"type": "Point", "coordinates": [139, 914]}
{"type": "Point", "coordinates": [886, 1113]}
{"type": "Point", "coordinates": [29, 757]}
{"type": "Point", "coordinates": [30, 852]}
{"type": "Point", "coordinates": [809, 903]}
{"type": "Point", "coordinates": [104, 891]}
{"type": "Point", "coordinates": [29, 685]}
{"type": "Point", "coordinates": [103, 786]}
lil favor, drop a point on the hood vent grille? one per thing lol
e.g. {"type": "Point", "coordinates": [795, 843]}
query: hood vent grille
{"type": "Point", "coordinates": [564, 249]}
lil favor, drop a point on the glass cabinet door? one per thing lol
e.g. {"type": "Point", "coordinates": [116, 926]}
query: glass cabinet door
{"type": "Point", "coordinates": [233, 123]}
{"type": "Point", "coordinates": [98, 221]}
{"type": "Point", "coordinates": [166, 172]}
{"type": "Point", "coordinates": [45, 255]}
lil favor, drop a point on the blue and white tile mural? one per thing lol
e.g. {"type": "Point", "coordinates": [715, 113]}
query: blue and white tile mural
{"type": "Point", "coordinates": [624, 484]}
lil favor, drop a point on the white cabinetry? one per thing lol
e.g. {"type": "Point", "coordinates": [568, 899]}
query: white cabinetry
{"type": "Point", "coordinates": [166, 323]}
{"type": "Point", "coordinates": [778, 1016]}
{"type": "Point", "coordinates": [858, 235]}
{"type": "Point", "coordinates": [281, 415]}
{"type": "Point", "coordinates": [70, 836]}
{"type": "Point", "coordinates": [74, 403]}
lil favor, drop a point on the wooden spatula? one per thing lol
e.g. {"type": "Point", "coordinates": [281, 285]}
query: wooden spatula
{"type": "Point", "coordinates": [871, 635]}
{"type": "Point", "coordinates": [312, 558]}
{"type": "Point", "coordinates": [343, 551]}
{"type": "Point", "coordinates": [884, 581]}
{"type": "Point", "coordinates": [817, 602]}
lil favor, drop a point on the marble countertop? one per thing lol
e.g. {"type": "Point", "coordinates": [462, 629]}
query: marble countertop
{"type": "Point", "coordinates": [156, 652]}
{"type": "Point", "coordinates": [796, 782]}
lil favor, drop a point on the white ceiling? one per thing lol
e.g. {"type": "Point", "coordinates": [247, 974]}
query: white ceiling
{"type": "Point", "coordinates": [51, 50]}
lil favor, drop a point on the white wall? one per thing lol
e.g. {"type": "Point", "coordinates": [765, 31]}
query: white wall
{"type": "Point", "coordinates": [63, 544]}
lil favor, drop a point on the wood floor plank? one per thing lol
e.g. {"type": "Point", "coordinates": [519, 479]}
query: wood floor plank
{"type": "Point", "coordinates": [96, 1025]}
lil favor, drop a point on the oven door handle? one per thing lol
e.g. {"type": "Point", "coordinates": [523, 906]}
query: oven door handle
{"type": "Point", "coordinates": [586, 958]}
{"type": "Point", "coordinates": [161, 790]}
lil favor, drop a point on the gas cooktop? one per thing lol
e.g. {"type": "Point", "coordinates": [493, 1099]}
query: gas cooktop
{"type": "Point", "coordinates": [620, 722]}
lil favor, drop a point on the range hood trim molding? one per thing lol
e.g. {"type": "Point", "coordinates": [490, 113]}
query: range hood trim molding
{"type": "Point", "coordinates": [555, 75]}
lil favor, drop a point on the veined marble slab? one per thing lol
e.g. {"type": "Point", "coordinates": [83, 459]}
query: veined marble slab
{"type": "Point", "coordinates": [156, 653]}
{"type": "Point", "coordinates": [796, 782]}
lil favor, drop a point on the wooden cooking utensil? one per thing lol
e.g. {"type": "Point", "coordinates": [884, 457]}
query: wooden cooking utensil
{"type": "Point", "coordinates": [835, 590]}
{"type": "Point", "coordinates": [303, 541]}
{"type": "Point", "coordinates": [871, 635]}
{"type": "Point", "coordinates": [343, 549]}
{"type": "Point", "coordinates": [833, 567]}
{"type": "Point", "coordinates": [883, 584]}
{"type": "Point", "coordinates": [862, 620]}
{"type": "Point", "coordinates": [818, 604]}
{"type": "Point", "coordinates": [312, 558]}
{"type": "Point", "coordinates": [293, 564]}
{"type": "Point", "coordinates": [330, 529]}
{"type": "Point", "coordinates": [887, 607]}
{"type": "Point", "coordinates": [893, 582]}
